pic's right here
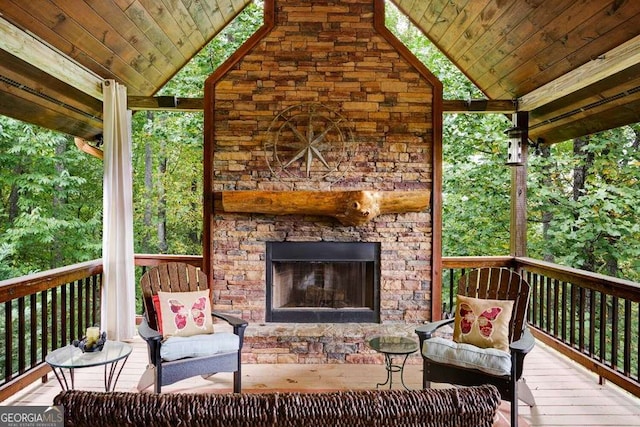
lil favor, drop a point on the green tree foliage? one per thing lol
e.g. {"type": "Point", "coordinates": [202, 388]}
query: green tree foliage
{"type": "Point", "coordinates": [583, 203]}
{"type": "Point", "coordinates": [168, 152]}
{"type": "Point", "coordinates": [167, 163]}
{"type": "Point", "coordinates": [582, 195]}
{"type": "Point", "coordinates": [476, 186]}
{"type": "Point", "coordinates": [475, 180]}
{"type": "Point", "coordinates": [50, 205]}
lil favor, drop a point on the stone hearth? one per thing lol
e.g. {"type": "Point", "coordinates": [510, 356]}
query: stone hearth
{"type": "Point", "coordinates": [306, 343]}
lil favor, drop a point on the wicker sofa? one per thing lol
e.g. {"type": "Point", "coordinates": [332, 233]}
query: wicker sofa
{"type": "Point", "coordinates": [473, 407]}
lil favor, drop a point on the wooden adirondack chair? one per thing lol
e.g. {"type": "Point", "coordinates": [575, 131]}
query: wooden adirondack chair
{"type": "Point", "coordinates": [180, 277]}
{"type": "Point", "coordinates": [495, 284]}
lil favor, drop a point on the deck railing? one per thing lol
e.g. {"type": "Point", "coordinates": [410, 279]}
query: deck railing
{"type": "Point", "coordinates": [591, 318]}
{"type": "Point", "coordinates": [44, 311]}
{"type": "Point", "coordinates": [41, 312]}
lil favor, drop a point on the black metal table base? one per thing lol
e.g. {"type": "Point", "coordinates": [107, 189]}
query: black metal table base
{"type": "Point", "coordinates": [391, 368]}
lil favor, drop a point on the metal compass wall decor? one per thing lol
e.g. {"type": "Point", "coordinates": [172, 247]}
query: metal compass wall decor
{"type": "Point", "coordinates": [309, 141]}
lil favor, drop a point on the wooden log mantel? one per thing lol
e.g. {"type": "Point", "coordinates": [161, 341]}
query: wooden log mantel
{"type": "Point", "coordinates": [353, 207]}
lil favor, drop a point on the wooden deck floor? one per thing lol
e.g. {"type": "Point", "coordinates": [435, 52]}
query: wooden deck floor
{"type": "Point", "coordinates": [566, 394]}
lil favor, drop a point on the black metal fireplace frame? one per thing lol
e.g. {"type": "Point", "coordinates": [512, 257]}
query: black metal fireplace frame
{"type": "Point", "coordinates": [323, 252]}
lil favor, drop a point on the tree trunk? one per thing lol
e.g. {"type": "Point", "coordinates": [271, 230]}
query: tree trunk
{"type": "Point", "coordinates": [580, 173]}
{"type": "Point", "coordinates": [14, 196]}
{"type": "Point", "coordinates": [581, 170]}
{"type": "Point", "coordinates": [547, 216]}
{"type": "Point", "coordinates": [162, 202]}
{"type": "Point", "coordinates": [636, 132]}
{"type": "Point", "coordinates": [57, 257]}
{"type": "Point", "coordinates": [194, 236]}
{"type": "Point", "coordinates": [148, 189]}
{"type": "Point", "coordinates": [612, 266]}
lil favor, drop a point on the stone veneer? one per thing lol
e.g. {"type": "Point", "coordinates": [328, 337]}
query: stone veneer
{"type": "Point", "coordinates": [325, 52]}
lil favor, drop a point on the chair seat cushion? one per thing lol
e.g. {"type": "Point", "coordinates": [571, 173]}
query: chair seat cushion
{"type": "Point", "coordinates": [489, 360]}
{"type": "Point", "coordinates": [175, 348]}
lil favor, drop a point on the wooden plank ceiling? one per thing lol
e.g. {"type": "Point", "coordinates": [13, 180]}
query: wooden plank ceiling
{"type": "Point", "coordinates": [140, 43]}
{"type": "Point", "coordinates": [575, 65]}
{"type": "Point", "coordinates": [521, 49]}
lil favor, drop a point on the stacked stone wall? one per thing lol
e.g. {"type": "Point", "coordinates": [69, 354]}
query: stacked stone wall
{"type": "Point", "coordinates": [327, 55]}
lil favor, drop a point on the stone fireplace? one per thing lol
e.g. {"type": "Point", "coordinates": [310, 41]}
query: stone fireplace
{"type": "Point", "coordinates": [322, 98]}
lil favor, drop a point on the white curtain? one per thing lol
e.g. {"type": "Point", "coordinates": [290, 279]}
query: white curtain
{"type": "Point", "coordinates": [118, 287]}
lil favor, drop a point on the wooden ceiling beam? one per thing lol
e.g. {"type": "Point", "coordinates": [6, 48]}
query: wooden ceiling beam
{"type": "Point", "coordinates": [450, 106]}
{"type": "Point", "coordinates": [489, 106]}
{"type": "Point", "coordinates": [31, 108]}
{"type": "Point", "coordinates": [168, 103]}
{"type": "Point", "coordinates": [33, 51]}
{"type": "Point", "coordinates": [616, 60]}
{"type": "Point", "coordinates": [596, 118]}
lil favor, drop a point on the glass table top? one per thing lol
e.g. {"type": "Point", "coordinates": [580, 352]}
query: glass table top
{"type": "Point", "coordinates": [393, 345]}
{"type": "Point", "coordinates": [72, 357]}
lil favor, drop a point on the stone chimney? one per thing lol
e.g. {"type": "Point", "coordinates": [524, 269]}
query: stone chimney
{"type": "Point", "coordinates": [322, 98]}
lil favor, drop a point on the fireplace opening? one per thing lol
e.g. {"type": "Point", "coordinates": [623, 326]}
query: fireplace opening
{"type": "Point", "coordinates": [323, 282]}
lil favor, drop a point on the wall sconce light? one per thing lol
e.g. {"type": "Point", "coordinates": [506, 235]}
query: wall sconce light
{"type": "Point", "coordinates": [514, 151]}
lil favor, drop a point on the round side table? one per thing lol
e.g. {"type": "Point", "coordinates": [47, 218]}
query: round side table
{"type": "Point", "coordinates": [392, 346]}
{"type": "Point", "coordinates": [113, 357]}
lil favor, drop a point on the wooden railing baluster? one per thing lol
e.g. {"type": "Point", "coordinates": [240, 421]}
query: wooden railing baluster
{"type": "Point", "coordinates": [21, 331]}
{"type": "Point", "coordinates": [452, 288]}
{"type": "Point", "coordinates": [581, 319]}
{"type": "Point", "coordinates": [54, 319]}
{"type": "Point", "coordinates": [615, 318]}
{"type": "Point", "coordinates": [86, 318]}
{"type": "Point", "coordinates": [8, 340]}
{"type": "Point", "coordinates": [556, 307]}
{"type": "Point", "coordinates": [33, 329]}
{"type": "Point", "coordinates": [627, 338]}
{"type": "Point", "coordinates": [564, 312]}
{"type": "Point", "coordinates": [95, 287]}
{"type": "Point", "coordinates": [44, 325]}
{"type": "Point", "coordinates": [540, 298]}
{"type": "Point", "coordinates": [572, 316]}
{"type": "Point", "coordinates": [603, 326]}
{"type": "Point", "coordinates": [533, 312]}
{"type": "Point", "coordinates": [637, 334]}
{"type": "Point", "coordinates": [76, 312]}
{"type": "Point", "coordinates": [592, 322]}
{"type": "Point", "coordinates": [63, 313]}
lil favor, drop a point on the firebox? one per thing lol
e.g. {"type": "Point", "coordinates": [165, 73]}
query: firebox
{"type": "Point", "coordinates": [323, 282]}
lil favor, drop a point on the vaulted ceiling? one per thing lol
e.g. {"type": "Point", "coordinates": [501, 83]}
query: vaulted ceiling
{"type": "Point", "coordinates": [574, 64]}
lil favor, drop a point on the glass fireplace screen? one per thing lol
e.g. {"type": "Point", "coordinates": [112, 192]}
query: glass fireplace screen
{"type": "Point", "coordinates": [322, 282]}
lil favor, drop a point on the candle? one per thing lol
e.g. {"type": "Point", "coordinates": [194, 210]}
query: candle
{"type": "Point", "coordinates": [93, 333]}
